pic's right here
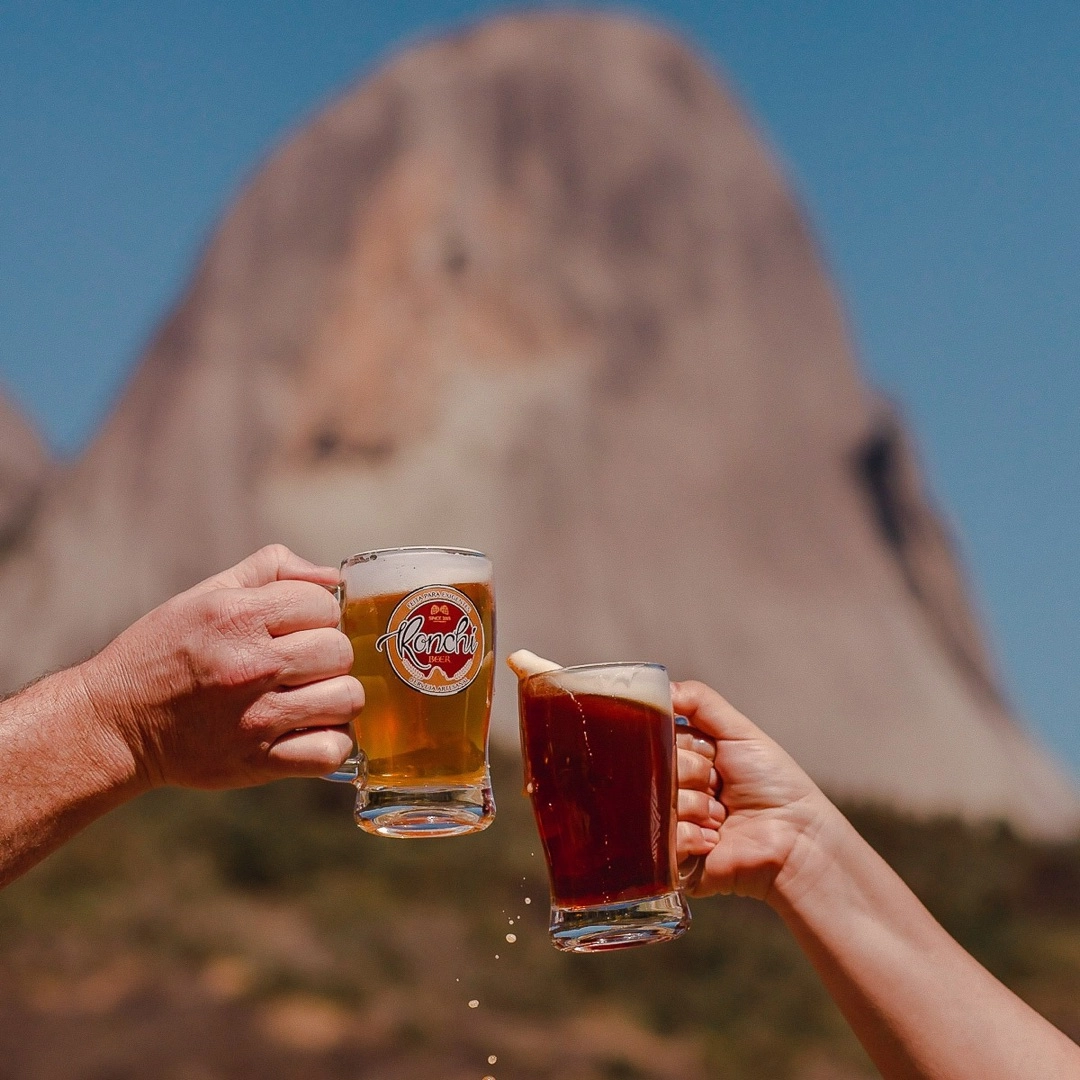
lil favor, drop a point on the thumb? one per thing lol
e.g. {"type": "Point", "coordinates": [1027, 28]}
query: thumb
{"type": "Point", "coordinates": [707, 711]}
{"type": "Point", "coordinates": [275, 562]}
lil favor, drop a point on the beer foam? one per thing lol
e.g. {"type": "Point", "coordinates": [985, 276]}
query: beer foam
{"type": "Point", "coordinates": [647, 683]}
{"type": "Point", "coordinates": [408, 569]}
{"type": "Point", "coordinates": [524, 663]}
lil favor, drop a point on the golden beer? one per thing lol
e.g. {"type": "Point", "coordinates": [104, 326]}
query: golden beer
{"type": "Point", "coordinates": [422, 626]}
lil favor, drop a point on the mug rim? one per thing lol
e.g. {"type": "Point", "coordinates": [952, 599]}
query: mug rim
{"type": "Point", "coordinates": [574, 668]}
{"type": "Point", "coordinates": [421, 549]}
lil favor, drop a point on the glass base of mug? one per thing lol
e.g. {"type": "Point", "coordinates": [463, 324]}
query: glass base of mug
{"type": "Point", "coordinates": [416, 813]}
{"type": "Point", "coordinates": [620, 926]}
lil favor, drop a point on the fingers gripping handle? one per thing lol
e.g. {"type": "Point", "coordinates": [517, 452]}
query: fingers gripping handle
{"type": "Point", "coordinates": [353, 770]}
{"type": "Point", "coordinates": [691, 869]}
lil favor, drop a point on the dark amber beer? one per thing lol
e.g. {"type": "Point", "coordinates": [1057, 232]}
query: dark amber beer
{"type": "Point", "coordinates": [600, 775]}
{"type": "Point", "coordinates": [599, 749]}
{"type": "Point", "coordinates": [422, 626]}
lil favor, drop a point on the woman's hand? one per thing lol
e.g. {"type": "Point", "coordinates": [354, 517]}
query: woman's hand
{"type": "Point", "coordinates": [744, 804]}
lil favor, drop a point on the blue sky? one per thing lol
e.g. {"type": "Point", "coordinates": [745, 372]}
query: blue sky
{"type": "Point", "coordinates": [935, 146]}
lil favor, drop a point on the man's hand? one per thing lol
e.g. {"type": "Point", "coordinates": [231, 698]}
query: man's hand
{"type": "Point", "coordinates": [241, 679]}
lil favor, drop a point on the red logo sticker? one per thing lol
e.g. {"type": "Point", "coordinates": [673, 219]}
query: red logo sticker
{"type": "Point", "coordinates": [435, 640]}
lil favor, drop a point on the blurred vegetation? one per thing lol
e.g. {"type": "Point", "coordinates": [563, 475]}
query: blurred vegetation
{"type": "Point", "coordinates": [247, 899]}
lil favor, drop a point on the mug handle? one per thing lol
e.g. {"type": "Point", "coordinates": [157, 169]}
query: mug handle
{"type": "Point", "coordinates": [353, 770]}
{"type": "Point", "coordinates": [690, 870]}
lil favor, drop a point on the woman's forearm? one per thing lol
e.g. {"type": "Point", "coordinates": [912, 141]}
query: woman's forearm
{"type": "Point", "coordinates": [921, 1006]}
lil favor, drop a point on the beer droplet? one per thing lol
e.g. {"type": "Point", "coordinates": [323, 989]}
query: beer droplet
{"type": "Point", "coordinates": [474, 1004]}
{"type": "Point", "coordinates": [489, 1078]}
{"type": "Point", "coordinates": [511, 938]}
{"type": "Point", "coordinates": [528, 899]}
{"type": "Point", "coordinates": [496, 956]}
{"type": "Point", "coordinates": [492, 1059]}
{"type": "Point", "coordinates": [511, 921]}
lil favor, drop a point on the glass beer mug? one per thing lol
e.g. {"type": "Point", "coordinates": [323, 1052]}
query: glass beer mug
{"type": "Point", "coordinates": [422, 625]}
{"type": "Point", "coordinates": [600, 768]}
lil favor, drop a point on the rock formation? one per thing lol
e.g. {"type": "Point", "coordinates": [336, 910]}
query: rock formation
{"type": "Point", "coordinates": [539, 289]}
{"type": "Point", "coordinates": [24, 465]}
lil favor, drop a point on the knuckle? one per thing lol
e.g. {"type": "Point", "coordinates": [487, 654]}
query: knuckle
{"type": "Point", "coordinates": [262, 734]}
{"type": "Point", "coordinates": [278, 603]}
{"type": "Point", "coordinates": [215, 664]}
{"type": "Point", "coordinates": [229, 612]}
{"type": "Point", "coordinates": [244, 665]}
{"type": "Point", "coordinates": [269, 715]}
{"type": "Point", "coordinates": [304, 604]}
{"type": "Point", "coordinates": [276, 554]}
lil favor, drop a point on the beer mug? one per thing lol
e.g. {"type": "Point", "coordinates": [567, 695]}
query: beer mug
{"type": "Point", "coordinates": [600, 768]}
{"type": "Point", "coordinates": [422, 625]}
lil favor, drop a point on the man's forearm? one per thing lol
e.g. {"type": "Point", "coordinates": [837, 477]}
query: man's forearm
{"type": "Point", "coordinates": [61, 766]}
{"type": "Point", "coordinates": [922, 1007]}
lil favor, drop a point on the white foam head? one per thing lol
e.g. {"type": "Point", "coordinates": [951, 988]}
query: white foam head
{"type": "Point", "coordinates": [647, 683]}
{"type": "Point", "coordinates": [379, 573]}
{"type": "Point", "coordinates": [524, 663]}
